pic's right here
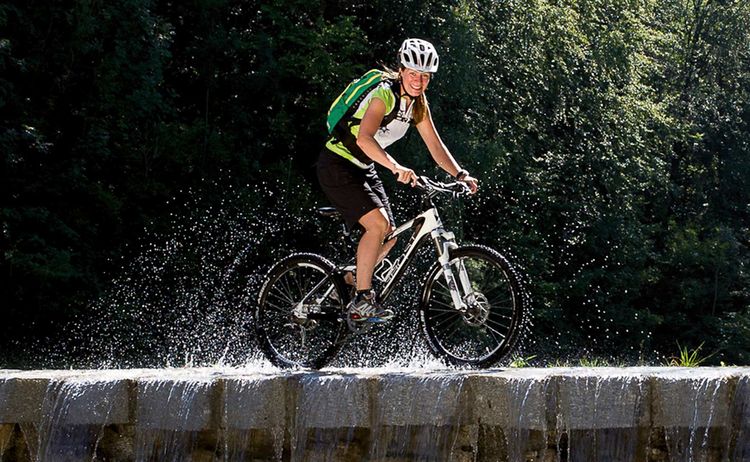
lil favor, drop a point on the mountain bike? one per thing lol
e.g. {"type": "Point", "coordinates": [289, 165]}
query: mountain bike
{"type": "Point", "coordinates": [471, 307]}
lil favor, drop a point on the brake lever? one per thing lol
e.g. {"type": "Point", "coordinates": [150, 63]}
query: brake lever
{"type": "Point", "coordinates": [423, 183]}
{"type": "Point", "coordinates": [465, 190]}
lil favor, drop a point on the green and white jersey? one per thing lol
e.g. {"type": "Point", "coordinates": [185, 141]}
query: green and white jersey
{"type": "Point", "coordinates": [386, 135]}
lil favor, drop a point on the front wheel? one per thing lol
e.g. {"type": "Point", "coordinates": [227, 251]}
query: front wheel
{"type": "Point", "coordinates": [489, 327]}
{"type": "Point", "coordinates": [299, 320]}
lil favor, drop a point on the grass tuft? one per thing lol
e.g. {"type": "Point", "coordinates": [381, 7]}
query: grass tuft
{"type": "Point", "coordinates": [688, 358]}
{"type": "Point", "coordinates": [519, 361]}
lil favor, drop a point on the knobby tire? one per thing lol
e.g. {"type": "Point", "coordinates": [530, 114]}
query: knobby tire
{"type": "Point", "coordinates": [280, 333]}
{"type": "Point", "coordinates": [487, 336]}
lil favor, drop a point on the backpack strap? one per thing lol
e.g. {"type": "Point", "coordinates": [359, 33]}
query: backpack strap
{"type": "Point", "coordinates": [342, 130]}
{"type": "Point", "coordinates": [396, 89]}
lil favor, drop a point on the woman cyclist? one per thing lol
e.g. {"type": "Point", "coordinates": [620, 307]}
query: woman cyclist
{"type": "Point", "coordinates": [346, 167]}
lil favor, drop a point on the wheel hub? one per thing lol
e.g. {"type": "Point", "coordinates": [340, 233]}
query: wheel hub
{"type": "Point", "coordinates": [477, 309]}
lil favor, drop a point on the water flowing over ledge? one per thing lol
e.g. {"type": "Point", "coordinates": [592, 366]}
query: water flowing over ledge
{"type": "Point", "coordinates": [554, 414]}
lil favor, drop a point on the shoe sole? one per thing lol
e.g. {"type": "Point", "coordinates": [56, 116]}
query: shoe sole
{"type": "Point", "coordinates": [372, 320]}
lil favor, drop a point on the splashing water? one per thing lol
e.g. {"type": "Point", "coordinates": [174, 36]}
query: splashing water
{"type": "Point", "coordinates": [188, 297]}
{"type": "Point", "coordinates": [371, 414]}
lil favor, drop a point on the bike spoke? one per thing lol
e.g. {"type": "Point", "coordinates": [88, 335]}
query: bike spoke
{"type": "Point", "coordinates": [303, 287]}
{"type": "Point", "coordinates": [447, 305]}
{"type": "Point", "coordinates": [449, 309]}
{"type": "Point", "coordinates": [278, 333]}
{"type": "Point", "coordinates": [442, 315]}
{"type": "Point", "coordinates": [497, 315]}
{"type": "Point", "coordinates": [501, 301]}
{"type": "Point", "coordinates": [491, 329]}
{"type": "Point", "coordinates": [285, 310]}
{"type": "Point", "coordinates": [440, 281]}
{"type": "Point", "coordinates": [441, 289]}
{"type": "Point", "coordinates": [493, 321]}
{"type": "Point", "coordinates": [299, 284]}
{"type": "Point", "coordinates": [442, 323]}
{"type": "Point", "coordinates": [458, 322]}
{"type": "Point", "coordinates": [285, 283]}
{"type": "Point", "coordinates": [283, 296]}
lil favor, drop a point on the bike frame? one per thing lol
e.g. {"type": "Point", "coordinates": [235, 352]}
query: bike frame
{"type": "Point", "coordinates": [425, 225]}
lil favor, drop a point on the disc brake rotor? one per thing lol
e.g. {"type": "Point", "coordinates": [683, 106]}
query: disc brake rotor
{"type": "Point", "coordinates": [477, 309]}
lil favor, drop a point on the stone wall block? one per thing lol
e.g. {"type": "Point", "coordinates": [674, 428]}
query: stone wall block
{"type": "Point", "coordinates": [414, 400]}
{"type": "Point", "coordinates": [740, 411]}
{"type": "Point", "coordinates": [255, 402]}
{"type": "Point", "coordinates": [178, 405]}
{"type": "Point", "coordinates": [691, 398]}
{"type": "Point", "coordinates": [511, 399]}
{"type": "Point", "coordinates": [87, 402]}
{"type": "Point", "coordinates": [6, 433]}
{"type": "Point", "coordinates": [22, 399]}
{"type": "Point", "coordinates": [602, 399]}
{"type": "Point", "coordinates": [333, 401]}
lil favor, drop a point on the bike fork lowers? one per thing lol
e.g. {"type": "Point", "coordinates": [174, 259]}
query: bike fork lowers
{"type": "Point", "coordinates": [445, 241]}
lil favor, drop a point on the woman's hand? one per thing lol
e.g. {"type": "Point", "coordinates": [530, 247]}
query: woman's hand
{"type": "Point", "coordinates": [405, 175]}
{"type": "Point", "coordinates": [471, 182]}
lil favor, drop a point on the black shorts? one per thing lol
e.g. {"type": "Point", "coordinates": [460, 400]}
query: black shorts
{"type": "Point", "coordinates": [352, 190]}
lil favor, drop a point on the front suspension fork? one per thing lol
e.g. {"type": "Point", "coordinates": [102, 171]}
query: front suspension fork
{"type": "Point", "coordinates": [445, 243]}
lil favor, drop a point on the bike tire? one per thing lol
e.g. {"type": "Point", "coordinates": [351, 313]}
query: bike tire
{"type": "Point", "coordinates": [487, 333]}
{"type": "Point", "coordinates": [289, 341]}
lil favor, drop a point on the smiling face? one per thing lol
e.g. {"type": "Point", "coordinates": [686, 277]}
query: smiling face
{"type": "Point", "coordinates": [414, 82]}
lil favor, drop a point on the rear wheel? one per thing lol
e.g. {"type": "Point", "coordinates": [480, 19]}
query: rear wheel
{"type": "Point", "coordinates": [491, 326]}
{"type": "Point", "coordinates": [300, 318]}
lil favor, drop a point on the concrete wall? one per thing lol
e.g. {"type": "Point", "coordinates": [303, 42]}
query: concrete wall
{"type": "Point", "coordinates": [572, 414]}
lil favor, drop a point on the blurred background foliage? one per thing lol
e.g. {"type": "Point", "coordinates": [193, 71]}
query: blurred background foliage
{"type": "Point", "coordinates": [611, 139]}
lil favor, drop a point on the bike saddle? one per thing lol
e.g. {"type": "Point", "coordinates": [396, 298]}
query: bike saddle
{"type": "Point", "coordinates": [330, 212]}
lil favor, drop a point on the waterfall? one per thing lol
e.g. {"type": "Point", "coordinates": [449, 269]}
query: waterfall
{"type": "Point", "coordinates": [254, 417]}
{"type": "Point", "coordinates": [603, 415]}
{"type": "Point", "coordinates": [544, 415]}
{"type": "Point", "coordinates": [419, 417]}
{"type": "Point", "coordinates": [174, 419]}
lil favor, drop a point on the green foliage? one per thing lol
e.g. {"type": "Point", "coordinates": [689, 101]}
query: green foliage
{"type": "Point", "coordinates": [688, 358]}
{"type": "Point", "coordinates": [520, 362]}
{"type": "Point", "coordinates": [593, 362]}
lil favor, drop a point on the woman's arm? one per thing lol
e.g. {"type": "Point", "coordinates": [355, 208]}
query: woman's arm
{"type": "Point", "coordinates": [366, 141]}
{"type": "Point", "coordinates": [440, 152]}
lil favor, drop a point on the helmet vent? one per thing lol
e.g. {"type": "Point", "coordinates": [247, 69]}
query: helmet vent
{"type": "Point", "coordinates": [419, 55]}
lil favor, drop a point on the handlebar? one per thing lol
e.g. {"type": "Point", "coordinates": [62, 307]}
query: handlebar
{"type": "Point", "coordinates": [432, 188]}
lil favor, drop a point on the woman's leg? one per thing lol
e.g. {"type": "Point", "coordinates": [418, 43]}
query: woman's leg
{"type": "Point", "coordinates": [370, 249]}
{"type": "Point", "coordinates": [384, 250]}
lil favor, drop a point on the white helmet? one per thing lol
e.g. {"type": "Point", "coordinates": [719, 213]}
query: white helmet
{"type": "Point", "coordinates": [419, 55]}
